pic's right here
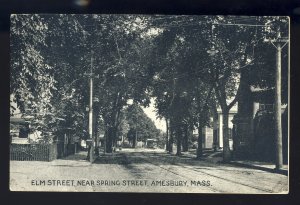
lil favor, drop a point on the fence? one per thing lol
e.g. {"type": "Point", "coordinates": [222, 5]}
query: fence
{"type": "Point", "coordinates": [33, 152]}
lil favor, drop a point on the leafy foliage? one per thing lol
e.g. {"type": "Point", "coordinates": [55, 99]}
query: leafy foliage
{"type": "Point", "coordinates": [140, 125]}
{"type": "Point", "coordinates": [183, 62]}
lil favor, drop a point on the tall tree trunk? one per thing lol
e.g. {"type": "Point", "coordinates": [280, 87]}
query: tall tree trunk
{"type": "Point", "coordinates": [105, 139]}
{"type": "Point", "coordinates": [221, 95]}
{"type": "Point", "coordinates": [185, 142]}
{"type": "Point", "coordinates": [114, 141]}
{"type": "Point", "coordinates": [215, 127]}
{"type": "Point", "coordinates": [215, 139]}
{"type": "Point", "coordinates": [109, 140]}
{"type": "Point", "coordinates": [113, 124]}
{"type": "Point", "coordinates": [115, 135]}
{"type": "Point", "coordinates": [135, 139]}
{"type": "Point", "coordinates": [190, 132]}
{"type": "Point", "coordinates": [179, 140]}
{"type": "Point", "coordinates": [171, 139]}
{"type": "Point", "coordinates": [199, 140]}
{"type": "Point", "coordinates": [226, 148]}
{"type": "Point", "coordinates": [167, 135]}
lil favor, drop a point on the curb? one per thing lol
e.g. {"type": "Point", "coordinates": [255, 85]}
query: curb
{"type": "Point", "coordinates": [280, 171]}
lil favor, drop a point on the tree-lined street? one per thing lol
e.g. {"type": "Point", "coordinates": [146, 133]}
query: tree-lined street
{"type": "Point", "coordinates": [80, 84]}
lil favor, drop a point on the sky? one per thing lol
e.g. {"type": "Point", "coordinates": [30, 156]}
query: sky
{"type": "Point", "coordinates": [150, 112]}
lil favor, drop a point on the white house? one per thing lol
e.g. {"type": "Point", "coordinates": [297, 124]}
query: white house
{"type": "Point", "coordinates": [217, 127]}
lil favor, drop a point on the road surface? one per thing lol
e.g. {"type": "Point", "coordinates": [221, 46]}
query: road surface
{"type": "Point", "coordinates": [142, 170]}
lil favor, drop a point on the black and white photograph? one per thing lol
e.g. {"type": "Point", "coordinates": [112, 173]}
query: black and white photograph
{"type": "Point", "coordinates": [149, 103]}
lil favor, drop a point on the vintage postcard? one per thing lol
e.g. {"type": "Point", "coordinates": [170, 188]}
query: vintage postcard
{"type": "Point", "coordinates": [149, 103]}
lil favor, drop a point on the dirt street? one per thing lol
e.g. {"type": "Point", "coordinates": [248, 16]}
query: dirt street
{"type": "Point", "coordinates": [142, 170]}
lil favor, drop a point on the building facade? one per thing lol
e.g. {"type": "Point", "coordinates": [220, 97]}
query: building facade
{"type": "Point", "coordinates": [213, 135]}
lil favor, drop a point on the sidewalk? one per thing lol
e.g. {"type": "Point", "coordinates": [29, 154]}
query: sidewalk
{"type": "Point", "coordinates": [264, 166]}
{"type": "Point", "coordinates": [216, 157]}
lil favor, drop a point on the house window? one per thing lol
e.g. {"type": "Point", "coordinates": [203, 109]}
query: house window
{"type": "Point", "coordinates": [19, 130]}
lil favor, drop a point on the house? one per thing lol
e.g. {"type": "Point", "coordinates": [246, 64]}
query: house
{"type": "Point", "coordinates": [20, 131]}
{"type": "Point", "coordinates": [26, 143]}
{"type": "Point", "coordinates": [213, 136]}
{"type": "Point", "coordinates": [253, 126]}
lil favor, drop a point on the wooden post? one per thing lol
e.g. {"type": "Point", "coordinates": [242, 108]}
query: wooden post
{"type": "Point", "coordinates": [277, 110]}
{"type": "Point", "coordinates": [167, 135]}
{"type": "Point", "coordinates": [278, 43]}
{"type": "Point", "coordinates": [91, 115]}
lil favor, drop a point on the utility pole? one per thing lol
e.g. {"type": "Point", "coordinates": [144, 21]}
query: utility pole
{"type": "Point", "coordinates": [278, 43]}
{"type": "Point", "coordinates": [91, 112]}
{"type": "Point", "coordinates": [91, 75]}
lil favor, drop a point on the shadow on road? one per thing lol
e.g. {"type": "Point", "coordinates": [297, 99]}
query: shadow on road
{"type": "Point", "coordinates": [140, 157]}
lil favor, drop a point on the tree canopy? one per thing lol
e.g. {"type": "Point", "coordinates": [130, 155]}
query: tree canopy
{"type": "Point", "coordinates": [184, 62]}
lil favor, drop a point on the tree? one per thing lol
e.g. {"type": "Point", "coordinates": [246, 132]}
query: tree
{"type": "Point", "coordinates": [179, 84]}
{"type": "Point", "coordinates": [137, 57]}
{"type": "Point", "coordinates": [122, 76]}
{"type": "Point", "coordinates": [33, 88]}
{"type": "Point", "coordinates": [141, 127]}
{"type": "Point", "coordinates": [233, 56]}
{"type": "Point", "coordinates": [170, 93]}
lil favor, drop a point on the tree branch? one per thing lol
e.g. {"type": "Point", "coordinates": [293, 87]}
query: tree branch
{"type": "Point", "coordinates": [118, 50]}
{"type": "Point", "coordinates": [235, 99]}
